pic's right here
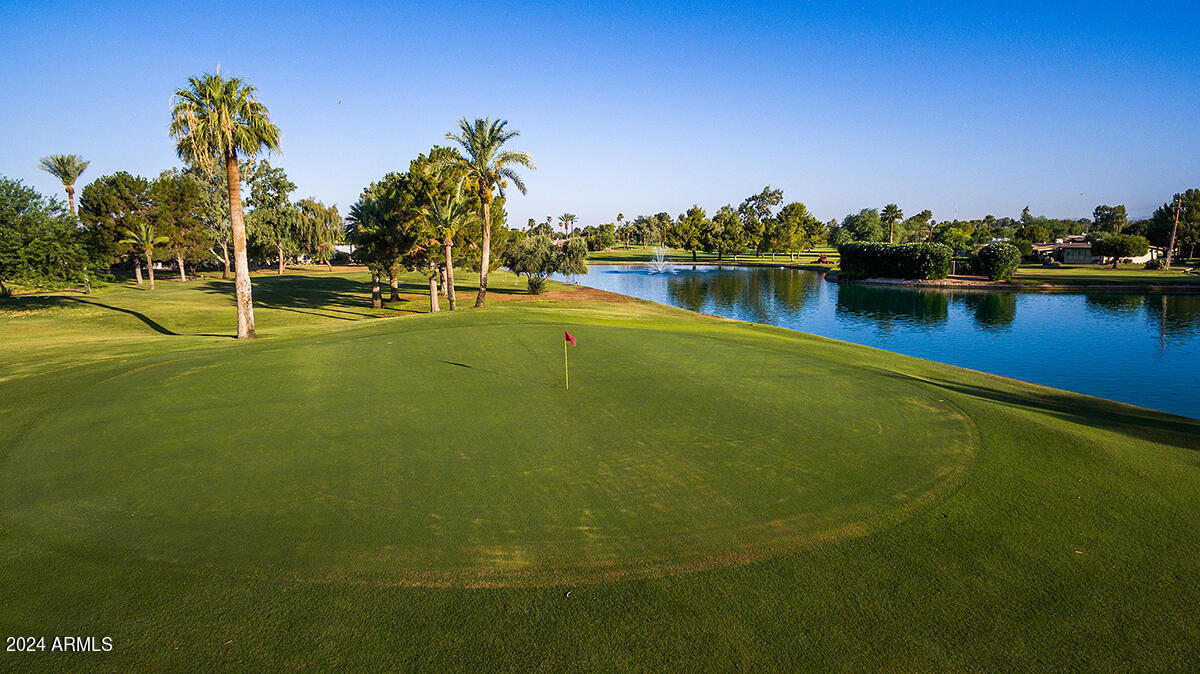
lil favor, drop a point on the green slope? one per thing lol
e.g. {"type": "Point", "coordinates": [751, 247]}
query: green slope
{"type": "Point", "coordinates": [421, 491]}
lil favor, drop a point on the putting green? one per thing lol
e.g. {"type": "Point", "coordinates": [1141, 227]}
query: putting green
{"type": "Point", "coordinates": [448, 453]}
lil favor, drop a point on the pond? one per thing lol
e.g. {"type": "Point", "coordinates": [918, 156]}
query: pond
{"type": "Point", "coordinates": [1141, 348]}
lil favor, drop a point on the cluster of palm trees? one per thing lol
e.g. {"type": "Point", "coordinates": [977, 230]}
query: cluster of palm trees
{"type": "Point", "coordinates": [411, 220]}
{"type": "Point", "coordinates": [217, 120]}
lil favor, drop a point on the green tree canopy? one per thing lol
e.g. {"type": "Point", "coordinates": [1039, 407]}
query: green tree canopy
{"type": "Point", "coordinates": [40, 246]}
{"type": "Point", "coordinates": [110, 205]}
{"type": "Point", "coordinates": [1110, 219]}
{"type": "Point", "coordinates": [687, 232]}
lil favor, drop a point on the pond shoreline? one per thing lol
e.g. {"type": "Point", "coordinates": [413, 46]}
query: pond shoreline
{"type": "Point", "coordinates": [962, 283]}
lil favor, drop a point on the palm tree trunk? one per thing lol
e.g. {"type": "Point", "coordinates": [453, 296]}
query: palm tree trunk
{"type": "Point", "coordinates": [245, 303]}
{"type": "Point", "coordinates": [137, 270]}
{"type": "Point", "coordinates": [485, 198]}
{"type": "Point", "coordinates": [376, 295]}
{"type": "Point", "coordinates": [442, 279]}
{"type": "Point", "coordinates": [150, 269]}
{"type": "Point", "coordinates": [71, 199]}
{"type": "Point", "coordinates": [225, 258]}
{"type": "Point", "coordinates": [280, 250]}
{"type": "Point", "coordinates": [450, 276]}
{"type": "Point", "coordinates": [182, 269]}
{"type": "Point", "coordinates": [433, 290]}
{"type": "Point", "coordinates": [395, 284]}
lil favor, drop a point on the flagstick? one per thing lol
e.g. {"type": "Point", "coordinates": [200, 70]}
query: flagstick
{"type": "Point", "coordinates": [566, 368]}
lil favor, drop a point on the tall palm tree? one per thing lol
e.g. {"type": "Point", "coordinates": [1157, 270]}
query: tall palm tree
{"type": "Point", "coordinates": [143, 238]}
{"type": "Point", "coordinates": [214, 120]}
{"type": "Point", "coordinates": [891, 215]}
{"type": "Point", "coordinates": [65, 167]}
{"type": "Point", "coordinates": [488, 166]}
{"type": "Point", "coordinates": [567, 219]}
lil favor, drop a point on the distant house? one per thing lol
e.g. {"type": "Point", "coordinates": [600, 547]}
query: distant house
{"type": "Point", "coordinates": [1076, 249]}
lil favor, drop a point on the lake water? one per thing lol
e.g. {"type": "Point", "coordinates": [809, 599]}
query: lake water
{"type": "Point", "coordinates": [1141, 348]}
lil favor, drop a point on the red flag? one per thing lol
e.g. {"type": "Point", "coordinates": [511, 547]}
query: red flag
{"type": "Point", "coordinates": [567, 336]}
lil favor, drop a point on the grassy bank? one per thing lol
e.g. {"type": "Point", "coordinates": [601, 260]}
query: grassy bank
{"type": "Point", "coordinates": [1097, 275]}
{"type": "Point", "coordinates": [386, 489]}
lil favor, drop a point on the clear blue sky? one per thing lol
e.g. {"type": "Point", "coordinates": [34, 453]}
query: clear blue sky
{"type": "Point", "coordinates": [637, 108]}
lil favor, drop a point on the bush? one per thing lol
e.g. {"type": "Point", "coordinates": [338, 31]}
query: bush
{"type": "Point", "coordinates": [998, 261]}
{"type": "Point", "coordinates": [1120, 246]}
{"type": "Point", "coordinates": [889, 260]}
{"type": "Point", "coordinates": [1154, 264]}
{"type": "Point", "coordinates": [536, 285]}
{"type": "Point", "coordinates": [1024, 246]}
{"type": "Point", "coordinates": [1052, 264]}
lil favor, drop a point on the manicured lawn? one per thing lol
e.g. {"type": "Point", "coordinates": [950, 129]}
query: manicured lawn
{"type": "Point", "coordinates": [1104, 275]}
{"type": "Point", "coordinates": [353, 490]}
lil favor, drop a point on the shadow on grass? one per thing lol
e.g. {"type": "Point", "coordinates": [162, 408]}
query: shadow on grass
{"type": "Point", "coordinates": [326, 296]}
{"type": "Point", "coordinates": [57, 301]}
{"type": "Point", "coordinates": [334, 296]}
{"type": "Point", "coordinates": [1133, 422]}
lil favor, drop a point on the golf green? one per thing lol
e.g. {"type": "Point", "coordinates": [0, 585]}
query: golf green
{"type": "Point", "coordinates": [370, 489]}
{"type": "Point", "coordinates": [365, 456]}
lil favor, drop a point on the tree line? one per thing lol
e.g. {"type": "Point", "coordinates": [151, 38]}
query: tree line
{"type": "Point", "coordinates": [446, 211]}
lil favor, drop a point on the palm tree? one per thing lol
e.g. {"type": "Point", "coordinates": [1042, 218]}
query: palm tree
{"type": "Point", "coordinates": [143, 239]}
{"type": "Point", "coordinates": [65, 167]}
{"type": "Point", "coordinates": [567, 219]}
{"type": "Point", "coordinates": [445, 218]}
{"type": "Point", "coordinates": [891, 215]}
{"type": "Point", "coordinates": [489, 166]}
{"type": "Point", "coordinates": [216, 119]}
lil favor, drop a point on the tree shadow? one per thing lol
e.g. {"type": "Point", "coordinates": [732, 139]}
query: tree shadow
{"type": "Point", "coordinates": [58, 301]}
{"type": "Point", "coordinates": [325, 296]}
{"type": "Point", "coordinates": [1133, 422]}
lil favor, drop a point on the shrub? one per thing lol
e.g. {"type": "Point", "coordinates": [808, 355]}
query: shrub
{"type": "Point", "coordinates": [1024, 246]}
{"type": "Point", "coordinates": [1156, 263]}
{"type": "Point", "coordinates": [1052, 264]}
{"type": "Point", "coordinates": [998, 261]}
{"type": "Point", "coordinates": [1119, 246]}
{"type": "Point", "coordinates": [889, 260]}
{"type": "Point", "coordinates": [536, 285]}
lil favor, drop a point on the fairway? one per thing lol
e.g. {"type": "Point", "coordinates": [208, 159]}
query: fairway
{"type": "Point", "coordinates": [387, 489]}
{"type": "Point", "coordinates": [368, 458]}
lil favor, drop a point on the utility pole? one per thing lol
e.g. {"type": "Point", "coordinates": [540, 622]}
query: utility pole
{"type": "Point", "coordinates": [1171, 249]}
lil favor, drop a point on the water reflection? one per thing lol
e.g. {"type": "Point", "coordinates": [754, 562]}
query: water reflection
{"type": "Point", "coordinates": [751, 294]}
{"type": "Point", "coordinates": [1115, 304]}
{"type": "Point", "coordinates": [1176, 316]}
{"type": "Point", "coordinates": [992, 311]}
{"type": "Point", "coordinates": [886, 306]}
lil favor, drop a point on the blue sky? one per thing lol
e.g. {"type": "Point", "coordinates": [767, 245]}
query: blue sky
{"type": "Point", "coordinates": [967, 108]}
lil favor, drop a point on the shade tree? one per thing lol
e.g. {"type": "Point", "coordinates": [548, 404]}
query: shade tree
{"type": "Point", "coordinates": [40, 246]}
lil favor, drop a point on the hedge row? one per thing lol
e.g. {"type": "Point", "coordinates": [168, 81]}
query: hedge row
{"type": "Point", "coordinates": [895, 260]}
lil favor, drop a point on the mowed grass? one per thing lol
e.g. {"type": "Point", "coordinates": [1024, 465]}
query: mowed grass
{"type": "Point", "coordinates": [1094, 274]}
{"type": "Point", "coordinates": [422, 492]}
